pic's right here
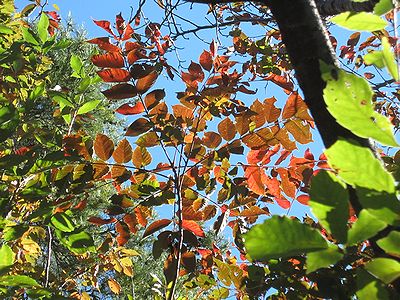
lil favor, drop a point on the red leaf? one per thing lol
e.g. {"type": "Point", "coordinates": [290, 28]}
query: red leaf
{"type": "Point", "coordinates": [282, 82]}
{"type": "Point", "coordinates": [206, 60]}
{"type": "Point", "coordinates": [193, 227]}
{"type": "Point", "coordinates": [104, 44]}
{"type": "Point", "coordinates": [105, 25]}
{"type": "Point", "coordinates": [308, 154]}
{"type": "Point", "coordinates": [283, 202]}
{"type": "Point", "coordinates": [303, 199]}
{"type": "Point", "coordinates": [127, 109]}
{"type": "Point", "coordinates": [256, 155]}
{"type": "Point", "coordinates": [146, 82]}
{"type": "Point", "coordinates": [141, 218]}
{"type": "Point", "coordinates": [120, 91]}
{"type": "Point", "coordinates": [128, 32]}
{"type": "Point", "coordinates": [120, 23]}
{"type": "Point", "coordinates": [114, 75]}
{"type": "Point", "coordinates": [131, 221]}
{"type": "Point", "coordinates": [155, 226]}
{"type": "Point", "coordinates": [108, 60]}
{"type": "Point", "coordinates": [100, 221]}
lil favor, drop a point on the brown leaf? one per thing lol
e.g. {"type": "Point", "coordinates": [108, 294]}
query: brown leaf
{"type": "Point", "coordinates": [138, 127]}
{"type": "Point", "coordinates": [227, 129]}
{"type": "Point", "coordinates": [189, 261]}
{"type": "Point", "coordinates": [153, 98]}
{"type": "Point", "coordinates": [131, 221]}
{"type": "Point", "coordinates": [100, 221]}
{"type": "Point", "coordinates": [271, 113]}
{"type": "Point", "coordinates": [155, 226]}
{"type": "Point", "coordinates": [253, 211]}
{"type": "Point", "coordinates": [123, 152]}
{"type": "Point", "coordinates": [114, 75]}
{"type": "Point", "coordinates": [141, 157]}
{"type": "Point", "coordinates": [108, 60]}
{"type": "Point", "coordinates": [211, 139]}
{"type": "Point", "coordinates": [120, 91]}
{"type": "Point", "coordinates": [149, 139]}
{"type": "Point", "coordinates": [301, 132]}
{"type": "Point", "coordinates": [242, 123]}
{"type": "Point", "coordinates": [143, 84]}
{"type": "Point", "coordinates": [140, 217]}
{"type": "Point", "coordinates": [127, 109]}
{"type": "Point", "coordinates": [103, 146]}
{"type": "Point", "coordinates": [282, 82]}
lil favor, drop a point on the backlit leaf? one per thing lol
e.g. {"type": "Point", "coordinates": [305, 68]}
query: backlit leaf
{"type": "Point", "coordinates": [62, 222]}
{"type": "Point", "coordinates": [253, 176]}
{"type": "Point", "coordinates": [103, 146]}
{"type": "Point", "coordinates": [127, 109]}
{"type": "Point", "coordinates": [114, 75]}
{"type": "Point", "coordinates": [385, 269]}
{"type": "Point", "coordinates": [6, 257]}
{"type": "Point", "coordinates": [153, 98]}
{"type": "Point", "coordinates": [18, 280]}
{"type": "Point", "coordinates": [108, 60]}
{"type": "Point", "coordinates": [227, 129]}
{"type": "Point", "coordinates": [155, 226]}
{"type": "Point", "coordinates": [322, 259]}
{"type": "Point", "coordinates": [271, 113]}
{"type": "Point", "coordinates": [361, 21]}
{"type": "Point", "coordinates": [88, 107]}
{"type": "Point", "coordinates": [194, 227]}
{"type": "Point", "coordinates": [301, 132]}
{"type": "Point", "coordinates": [120, 91]}
{"type": "Point", "coordinates": [206, 60]}
{"type": "Point", "coordinates": [138, 127]}
{"type": "Point", "coordinates": [365, 227]}
{"type": "Point", "coordinates": [143, 84]}
{"type": "Point", "coordinates": [141, 157]}
{"type": "Point", "coordinates": [357, 166]}
{"type": "Point", "coordinates": [370, 288]}
{"type": "Point", "coordinates": [391, 243]}
{"type": "Point", "coordinates": [123, 152]}
{"type": "Point", "coordinates": [211, 139]}
{"type": "Point", "coordinates": [280, 237]}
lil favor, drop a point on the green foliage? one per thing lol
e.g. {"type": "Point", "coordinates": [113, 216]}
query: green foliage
{"type": "Point", "coordinates": [361, 21]}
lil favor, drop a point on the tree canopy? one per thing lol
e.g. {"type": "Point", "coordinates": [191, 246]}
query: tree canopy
{"type": "Point", "coordinates": [213, 150]}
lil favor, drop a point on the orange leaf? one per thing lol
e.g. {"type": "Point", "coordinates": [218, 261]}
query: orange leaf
{"type": "Point", "coordinates": [256, 155]}
{"type": "Point", "coordinates": [155, 226]}
{"type": "Point", "coordinates": [227, 129]}
{"type": "Point", "coordinates": [123, 152]}
{"type": "Point", "coordinates": [127, 109]}
{"type": "Point", "coordinates": [253, 211]}
{"type": "Point", "coordinates": [141, 218]}
{"type": "Point", "coordinates": [114, 286]}
{"type": "Point", "coordinates": [271, 113]}
{"type": "Point", "coordinates": [120, 91]}
{"type": "Point", "coordinates": [211, 139]}
{"type": "Point", "coordinates": [141, 157]}
{"type": "Point", "coordinates": [282, 82]}
{"type": "Point", "coordinates": [103, 146]}
{"type": "Point", "coordinates": [105, 25]}
{"type": "Point", "coordinates": [253, 175]}
{"type": "Point", "coordinates": [193, 227]}
{"type": "Point", "coordinates": [283, 202]}
{"type": "Point", "coordinates": [108, 60]}
{"type": "Point", "coordinates": [146, 82]}
{"type": "Point", "coordinates": [301, 132]}
{"type": "Point", "coordinates": [114, 75]}
{"type": "Point", "coordinates": [131, 221]}
{"type": "Point", "coordinates": [303, 199]}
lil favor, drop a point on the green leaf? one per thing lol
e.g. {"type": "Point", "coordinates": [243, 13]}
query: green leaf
{"type": "Point", "coordinates": [383, 7]}
{"type": "Point", "coordinates": [389, 59]}
{"type": "Point", "coordinates": [282, 237]}
{"type": "Point", "coordinates": [62, 222]}
{"type": "Point", "coordinates": [361, 21]}
{"type": "Point", "coordinates": [88, 106]}
{"type": "Point", "coordinates": [365, 227]}
{"type": "Point", "coordinates": [329, 203]}
{"type": "Point", "coordinates": [381, 205]}
{"type": "Point", "coordinates": [78, 241]}
{"type": "Point", "coordinates": [43, 24]}
{"type": "Point", "coordinates": [322, 259]}
{"type": "Point", "coordinates": [385, 269]}
{"type": "Point", "coordinates": [9, 120]}
{"type": "Point", "coordinates": [391, 243]}
{"type": "Point", "coordinates": [369, 288]}
{"type": "Point", "coordinates": [29, 37]}
{"type": "Point", "coordinates": [6, 257]}
{"type": "Point", "coordinates": [5, 30]}
{"type": "Point", "coordinates": [18, 280]}
{"type": "Point", "coordinates": [37, 91]}
{"type": "Point", "coordinates": [11, 233]}
{"type": "Point", "coordinates": [76, 65]}
{"type": "Point", "coordinates": [349, 100]}
{"type": "Point", "coordinates": [357, 166]}
{"type": "Point", "coordinates": [61, 44]}
{"type": "Point", "coordinates": [62, 101]}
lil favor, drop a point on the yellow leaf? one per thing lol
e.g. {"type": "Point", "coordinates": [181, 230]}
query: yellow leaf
{"type": "Point", "coordinates": [114, 286]}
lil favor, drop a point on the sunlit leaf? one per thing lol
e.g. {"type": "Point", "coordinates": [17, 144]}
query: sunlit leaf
{"type": "Point", "coordinates": [227, 129]}
{"type": "Point", "coordinates": [141, 157]}
{"type": "Point", "coordinates": [18, 280]}
{"type": "Point", "coordinates": [359, 21]}
{"type": "Point", "coordinates": [108, 60]}
{"type": "Point", "coordinates": [365, 227]}
{"type": "Point", "coordinates": [88, 107]}
{"type": "Point", "coordinates": [143, 84]}
{"type": "Point", "coordinates": [385, 269]}
{"type": "Point", "coordinates": [253, 176]}
{"type": "Point", "coordinates": [120, 91]}
{"type": "Point", "coordinates": [114, 286]}
{"type": "Point", "coordinates": [138, 127]}
{"type": "Point", "coordinates": [6, 257]}
{"type": "Point", "coordinates": [62, 222]}
{"type": "Point", "coordinates": [155, 226]}
{"type": "Point", "coordinates": [280, 237]}
{"type": "Point", "coordinates": [370, 288]}
{"type": "Point", "coordinates": [123, 152]}
{"type": "Point", "coordinates": [194, 227]}
{"type": "Point", "coordinates": [114, 75]}
{"type": "Point", "coordinates": [391, 243]}
{"type": "Point", "coordinates": [322, 259]}
{"type": "Point", "coordinates": [103, 146]}
{"type": "Point", "coordinates": [127, 109]}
